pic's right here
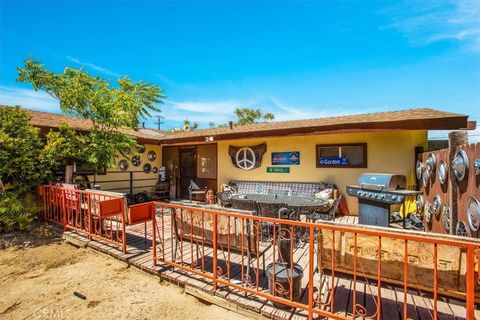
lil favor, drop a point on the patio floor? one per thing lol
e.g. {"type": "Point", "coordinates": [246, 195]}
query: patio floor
{"type": "Point", "coordinates": [420, 306]}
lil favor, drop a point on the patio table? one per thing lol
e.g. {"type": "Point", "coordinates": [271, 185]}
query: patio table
{"type": "Point", "coordinates": [302, 204]}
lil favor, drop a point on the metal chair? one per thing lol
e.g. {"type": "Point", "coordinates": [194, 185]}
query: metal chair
{"type": "Point", "coordinates": [325, 216]}
{"type": "Point", "coordinates": [244, 204]}
{"type": "Point", "coordinates": [269, 210]}
{"type": "Point", "coordinates": [224, 198]}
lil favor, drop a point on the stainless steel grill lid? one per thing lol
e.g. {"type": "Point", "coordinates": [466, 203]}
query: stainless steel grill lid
{"type": "Point", "coordinates": [382, 181]}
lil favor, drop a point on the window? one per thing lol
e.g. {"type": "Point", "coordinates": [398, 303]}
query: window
{"type": "Point", "coordinates": [353, 155]}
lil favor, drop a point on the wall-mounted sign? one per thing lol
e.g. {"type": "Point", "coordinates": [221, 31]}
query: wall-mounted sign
{"type": "Point", "coordinates": [278, 170]}
{"type": "Point", "coordinates": [285, 158]}
{"type": "Point", "coordinates": [338, 161]}
{"type": "Point", "coordinates": [247, 158]}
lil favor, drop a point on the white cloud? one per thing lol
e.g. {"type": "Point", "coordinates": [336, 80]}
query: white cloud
{"type": "Point", "coordinates": [94, 67]}
{"type": "Point", "coordinates": [221, 111]}
{"type": "Point", "coordinates": [426, 22]}
{"type": "Point", "coordinates": [28, 98]}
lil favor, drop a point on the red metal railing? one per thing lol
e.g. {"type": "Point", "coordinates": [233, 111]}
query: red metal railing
{"type": "Point", "coordinates": [230, 249]}
{"type": "Point", "coordinates": [97, 214]}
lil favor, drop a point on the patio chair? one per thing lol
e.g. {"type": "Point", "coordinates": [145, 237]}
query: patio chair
{"type": "Point", "coordinates": [243, 204]}
{"type": "Point", "coordinates": [325, 216]}
{"type": "Point", "coordinates": [269, 210]}
{"type": "Point", "coordinates": [224, 198]}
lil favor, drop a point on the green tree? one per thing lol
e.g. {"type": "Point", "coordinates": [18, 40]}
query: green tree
{"type": "Point", "coordinates": [249, 116]}
{"type": "Point", "coordinates": [21, 147]}
{"type": "Point", "coordinates": [110, 108]}
{"type": "Point", "coordinates": [187, 126]}
{"type": "Point", "coordinates": [21, 167]}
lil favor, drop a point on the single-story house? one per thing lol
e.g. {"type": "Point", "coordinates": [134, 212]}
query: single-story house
{"type": "Point", "coordinates": [332, 149]}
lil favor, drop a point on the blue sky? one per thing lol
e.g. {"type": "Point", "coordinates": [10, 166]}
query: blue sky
{"type": "Point", "coordinates": [297, 59]}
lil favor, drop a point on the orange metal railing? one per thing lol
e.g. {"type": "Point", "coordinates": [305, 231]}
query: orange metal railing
{"type": "Point", "coordinates": [224, 248]}
{"type": "Point", "coordinates": [97, 214]}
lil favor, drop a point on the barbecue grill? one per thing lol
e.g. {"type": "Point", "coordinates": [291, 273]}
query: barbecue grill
{"type": "Point", "coordinates": [376, 192]}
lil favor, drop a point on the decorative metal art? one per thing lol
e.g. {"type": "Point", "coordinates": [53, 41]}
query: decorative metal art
{"type": "Point", "coordinates": [426, 176]}
{"type": "Point", "coordinates": [442, 172]}
{"type": "Point", "coordinates": [123, 164]}
{"type": "Point", "coordinates": [436, 205]}
{"type": "Point", "coordinates": [420, 203]}
{"type": "Point", "coordinates": [151, 155]}
{"type": "Point", "coordinates": [460, 165]}
{"type": "Point", "coordinates": [476, 167]}
{"type": "Point", "coordinates": [147, 168]}
{"type": "Point", "coordinates": [136, 161]}
{"type": "Point", "coordinates": [247, 158]}
{"type": "Point", "coordinates": [419, 169]}
{"type": "Point", "coordinates": [461, 229]}
{"type": "Point", "coordinates": [427, 212]}
{"type": "Point", "coordinates": [154, 169]}
{"type": "Point", "coordinates": [141, 148]}
{"type": "Point", "coordinates": [446, 217]}
{"type": "Point", "coordinates": [473, 213]}
{"type": "Point", "coordinates": [431, 162]}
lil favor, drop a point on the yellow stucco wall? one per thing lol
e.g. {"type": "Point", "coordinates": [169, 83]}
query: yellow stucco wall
{"type": "Point", "coordinates": [138, 175]}
{"type": "Point", "coordinates": [391, 152]}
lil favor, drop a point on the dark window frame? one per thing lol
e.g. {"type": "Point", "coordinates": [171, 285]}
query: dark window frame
{"type": "Point", "coordinates": [317, 154]}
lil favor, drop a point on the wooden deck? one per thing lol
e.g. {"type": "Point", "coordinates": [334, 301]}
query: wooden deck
{"type": "Point", "coordinates": [420, 306]}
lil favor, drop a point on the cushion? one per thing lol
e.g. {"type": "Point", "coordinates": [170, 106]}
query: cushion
{"type": "Point", "coordinates": [324, 194]}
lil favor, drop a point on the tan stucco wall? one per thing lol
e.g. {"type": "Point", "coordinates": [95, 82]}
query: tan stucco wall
{"type": "Point", "coordinates": [391, 152]}
{"type": "Point", "coordinates": [138, 175]}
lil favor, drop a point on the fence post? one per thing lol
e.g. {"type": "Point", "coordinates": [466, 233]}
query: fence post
{"type": "Point", "coordinates": [310, 272]}
{"type": "Point", "coordinates": [154, 234]}
{"type": "Point", "coordinates": [470, 283]}
{"type": "Point", "coordinates": [214, 217]}
{"type": "Point", "coordinates": [131, 182]}
{"type": "Point", "coordinates": [124, 231]}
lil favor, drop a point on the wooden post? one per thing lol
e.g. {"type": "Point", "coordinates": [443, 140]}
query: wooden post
{"type": "Point", "coordinates": [455, 139]}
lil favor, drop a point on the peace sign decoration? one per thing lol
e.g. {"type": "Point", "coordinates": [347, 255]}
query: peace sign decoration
{"type": "Point", "coordinates": [247, 158]}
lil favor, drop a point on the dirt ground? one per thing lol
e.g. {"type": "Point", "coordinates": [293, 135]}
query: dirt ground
{"type": "Point", "coordinates": [39, 274]}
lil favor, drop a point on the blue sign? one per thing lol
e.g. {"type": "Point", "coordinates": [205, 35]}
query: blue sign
{"type": "Point", "coordinates": [285, 158]}
{"type": "Point", "coordinates": [338, 161]}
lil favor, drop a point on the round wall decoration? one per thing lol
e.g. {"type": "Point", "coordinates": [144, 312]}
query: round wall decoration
{"type": "Point", "coordinates": [141, 148]}
{"type": "Point", "coordinates": [154, 169]}
{"type": "Point", "coordinates": [442, 172]}
{"type": "Point", "coordinates": [151, 155]}
{"type": "Point", "coordinates": [245, 158]}
{"type": "Point", "coordinates": [419, 169]}
{"type": "Point", "coordinates": [147, 167]}
{"type": "Point", "coordinates": [437, 204]}
{"type": "Point", "coordinates": [460, 165]}
{"type": "Point", "coordinates": [431, 162]}
{"type": "Point", "coordinates": [446, 217]}
{"type": "Point", "coordinates": [461, 230]}
{"type": "Point", "coordinates": [473, 213]}
{"type": "Point", "coordinates": [420, 203]}
{"type": "Point", "coordinates": [476, 167]}
{"type": "Point", "coordinates": [426, 176]}
{"type": "Point", "coordinates": [136, 161]}
{"type": "Point", "coordinates": [123, 164]}
{"type": "Point", "coordinates": [427, 212]}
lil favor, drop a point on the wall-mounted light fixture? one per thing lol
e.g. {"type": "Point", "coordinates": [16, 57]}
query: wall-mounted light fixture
{"type": "Point", "coordinates": [209, 139]}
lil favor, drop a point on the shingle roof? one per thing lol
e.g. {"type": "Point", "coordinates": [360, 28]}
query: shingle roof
{"type": "Point", "coordinates": [413, 119]}
{"type": "Point", "coordinates": [52, 120]}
